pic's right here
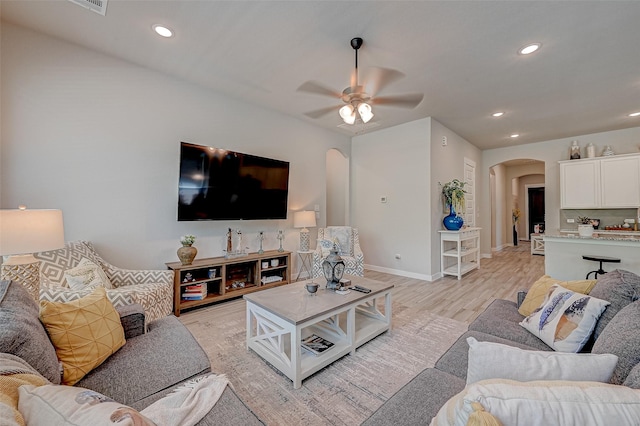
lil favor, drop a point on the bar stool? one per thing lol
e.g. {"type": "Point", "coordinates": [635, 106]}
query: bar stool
{"type": "Point", "coordinates": [600, 259]}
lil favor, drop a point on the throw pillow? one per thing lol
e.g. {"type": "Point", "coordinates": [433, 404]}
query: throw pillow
{"type": "Point", "coordinates": [488, 360]}
{"type": "Point", "coordinates": [22, 333]}
{"type": "Point", "coordinates": [621, 337]}
{"type": "Point", "coordinates": [566, 319]}
{"type": "Point", "coordinates": [633, 378]}
{"type": "Point", "coordinates": [14, 372]}
{"type": "Point", "coordinates": [57, 405]}
{"type": "Point", "coordinates": [620, 288]}
{"type": "Point", "coordinates": [536, 294]}
{"type": "Point", "coordinates": [86, 275]}
{"type": "Point", "coordinates": [555, 402]}
{"type": "Point", "coordinates": [85, 332]}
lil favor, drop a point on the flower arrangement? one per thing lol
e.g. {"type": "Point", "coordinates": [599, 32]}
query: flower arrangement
{"type": "Point", "coordinates": [584, 220]}
{"type": "Point", "coordinates": [187, 240]}
{"type": "Point", "coordinates": [515, 214]}
{"type": "Point", "coordinates": [453, 193]}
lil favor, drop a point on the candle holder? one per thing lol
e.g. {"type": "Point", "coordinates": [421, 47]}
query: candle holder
{"type": "Point", "coordinates": [261, 239]}
{"type": "Point", "coordinates": [280, 237]}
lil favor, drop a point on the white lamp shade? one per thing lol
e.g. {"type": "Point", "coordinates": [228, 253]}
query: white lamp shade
{"type": "Point", "coordinates": [30, 231]}
{"type": "Point", "coordinates": [304, 219]}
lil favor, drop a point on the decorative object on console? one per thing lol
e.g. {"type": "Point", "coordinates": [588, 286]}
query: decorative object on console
{"type": "Point", "coordinates": [280, 238]}
{"type": "Point", "coordinates": [261, 239]}
{"type": "Point", "coordinates": [608, 152]}
{"type": "Point", "coordinates": [591, 151]}
{"type": "Point", "coordinates": [333, 268]}
{"type": "Point", "coordinates": [312, 287]}
{"type": "Point", "coordinates": [187, 253]}
{"type": "Point", "coordinates": [453, 193]}
{"type": "Point", "coordinates": [575, 151]}
{"type": "Point", "coordinates": [304, 219]}
{"type": "Point", "coordinates": [22, 233]}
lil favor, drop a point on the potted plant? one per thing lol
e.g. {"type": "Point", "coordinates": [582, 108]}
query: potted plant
{"type": "Point", "coordinates": [585, 228]}
{"type": "Point", "coordinates": [453, 194]}
{"type": "Point", "coordinates": [187, 253]}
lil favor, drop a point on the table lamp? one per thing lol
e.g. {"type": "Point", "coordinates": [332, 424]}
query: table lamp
{"type": "Point", "coordinates": [22, 233]}
{"type": "Point", "coordinates": [302, 219]}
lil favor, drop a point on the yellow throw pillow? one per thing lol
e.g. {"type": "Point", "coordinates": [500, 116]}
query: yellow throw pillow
{"type": "Point", "coordinates": [539, 289]}
{"type": "Point", "coordinates": [85, 332]}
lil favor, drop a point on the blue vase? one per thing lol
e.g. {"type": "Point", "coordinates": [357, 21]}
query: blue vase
{"type": "Point", "coordinates": [452, 221]}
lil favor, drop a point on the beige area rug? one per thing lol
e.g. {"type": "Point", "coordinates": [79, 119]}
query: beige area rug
{"type": "Point", "coordinates": [344, 393]}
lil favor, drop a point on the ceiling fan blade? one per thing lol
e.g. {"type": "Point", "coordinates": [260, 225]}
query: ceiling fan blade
{"type": "Point", "coordinates": [318, 89]}
{"type": "Point", "coordinates": [379, 78]}
{"type": "Point", "coordinates": [322, 112]}
{"type": "Point", "coordinates": [410, 101]}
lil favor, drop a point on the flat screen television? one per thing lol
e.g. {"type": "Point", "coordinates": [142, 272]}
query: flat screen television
{"type": "Point", "coordinates": [218, 184]}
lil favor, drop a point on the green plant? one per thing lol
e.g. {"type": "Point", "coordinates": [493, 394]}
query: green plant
{"type": "Point", "coordinates": [187, 240]}
{"type": "Point", "coordinates": [584, 220]}
{"type": "Point", "coordinates": [453, 193]}
{"type": "Point", "coordinates": [515, 214]}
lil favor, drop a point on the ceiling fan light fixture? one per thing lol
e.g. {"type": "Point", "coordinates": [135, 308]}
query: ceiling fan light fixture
{"type": "Point", "coordinates": [348, 114]}
{"type": "Point", "coordinates": [364, 109]}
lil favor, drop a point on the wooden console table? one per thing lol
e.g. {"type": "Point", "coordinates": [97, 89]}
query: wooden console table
{"type": "Point", "coordinates": [225, 278]}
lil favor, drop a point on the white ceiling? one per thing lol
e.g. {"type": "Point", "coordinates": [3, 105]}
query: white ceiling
{"type": "Point", "coordinates": [460, 54]}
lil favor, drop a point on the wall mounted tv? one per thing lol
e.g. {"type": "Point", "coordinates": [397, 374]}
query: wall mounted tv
{"type": "Point", "coordinates": [218, 184]}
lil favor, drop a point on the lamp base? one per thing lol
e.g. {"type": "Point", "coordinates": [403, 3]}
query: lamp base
{"type": "Point", "coordinates": [304, 239]}
{"type": "Point", "coordinates": [27, 274]}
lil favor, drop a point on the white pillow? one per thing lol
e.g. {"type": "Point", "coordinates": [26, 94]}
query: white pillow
{"type": "Point", "coordinates": [488, 360]}
{"type": "Point", "coordinates": [543, 403]}
{"type": "Point", "coordinates": [87, 275]}
{"type": "Point", "coordinates": [59, 405]}
{"type": "Point", "coordinates": [566, 319]}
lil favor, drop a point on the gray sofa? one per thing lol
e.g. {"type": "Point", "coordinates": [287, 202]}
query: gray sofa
{"type": "Point", "coordinates": [147, 367]}
{"type": "Point", "coordinates": [616, 332]}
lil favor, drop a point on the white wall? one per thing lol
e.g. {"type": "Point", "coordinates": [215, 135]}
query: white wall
{"type": "Point", "coordinates": [337, 189]}
{"type": "Point", "coordinates": [393, 163]}
{"type": "Point", "coordinates": [622, 142]}
{"type": "Point", "coordinates": [99, 138]}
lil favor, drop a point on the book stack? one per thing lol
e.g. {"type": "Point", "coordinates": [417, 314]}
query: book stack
{"type": "Point", "coordinates": [195, 292]}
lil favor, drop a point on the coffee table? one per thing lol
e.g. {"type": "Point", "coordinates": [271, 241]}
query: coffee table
{"type": "Point", "coordinates": [279, 318]}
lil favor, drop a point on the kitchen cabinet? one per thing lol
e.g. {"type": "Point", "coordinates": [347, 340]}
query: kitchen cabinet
{"type": "Point", "coordinates": [606, 182]}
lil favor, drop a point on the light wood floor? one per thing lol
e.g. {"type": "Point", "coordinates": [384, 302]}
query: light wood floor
{"type": "Point", "coordinates": [500, 277]}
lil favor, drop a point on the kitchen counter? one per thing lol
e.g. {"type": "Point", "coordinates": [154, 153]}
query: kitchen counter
{"type": "Point", "coordinates": [564, 251]}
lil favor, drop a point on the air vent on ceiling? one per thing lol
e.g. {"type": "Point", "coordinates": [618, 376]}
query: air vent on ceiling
{"type": "Point", "coordinates": [98, 6]}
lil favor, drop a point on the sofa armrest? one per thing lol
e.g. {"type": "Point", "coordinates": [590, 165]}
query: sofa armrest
{"type": "Point", "coordinates": [132, 320]}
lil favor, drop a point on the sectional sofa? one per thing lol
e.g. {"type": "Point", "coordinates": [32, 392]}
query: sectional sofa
{"type": "Point", "coordinates": [616, 332]}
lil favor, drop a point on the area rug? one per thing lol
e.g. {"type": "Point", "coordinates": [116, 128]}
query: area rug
{"type": "Point", "coordinates": [345, 393]}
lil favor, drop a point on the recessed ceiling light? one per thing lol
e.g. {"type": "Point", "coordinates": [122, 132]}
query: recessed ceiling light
{"type": "Point", "coordinates": [163, 31]}
{"type": "Point", "coordinates": [515, 135]}
{"type": "Point", "coordinates": [497, 114]}
{"type": "Point", "coordinates": [634, 114]}
{"type": "Point", "coordinates": [530, 48]}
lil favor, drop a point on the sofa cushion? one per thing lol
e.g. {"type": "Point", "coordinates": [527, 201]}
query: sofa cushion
{"type": "Point", "coordinates": [539, 289]}
{"type": "Point", "coordinates": [455, 361]}
{"type": "Point", "coordinates": [489, 360]}
{"type": "Point", "coordinates": [58, 405]}
{"type": "Point", "coordinates": [167, 354]}
{"type": "Point", "coordinates": [418, 401]}
{"type": "Point", "coordinates": [85, 332]}
{"type": "Point", "coordinates": [22, 334]}
{"type": "Point", "coordinates": [554, 402]}
{"type": "Point", "coordinates": [501, 319]}
{"type": "Point", "coordinates": [566, 319]}
{"type": "Point", "coordinates": [86, 275]}
{"type": "Point", "coordinates": [622, 338]}
{"type": "Point", "coordinates": [633, 378]}
{"type": "Point", "coordinates": [618, 287]}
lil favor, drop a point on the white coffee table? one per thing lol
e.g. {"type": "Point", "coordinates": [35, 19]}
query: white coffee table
{"type": "Point", "coordinates": [279, 318]}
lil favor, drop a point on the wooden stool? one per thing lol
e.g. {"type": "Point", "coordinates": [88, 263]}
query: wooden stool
{"type": "Point", "coordinates": [600, 259]}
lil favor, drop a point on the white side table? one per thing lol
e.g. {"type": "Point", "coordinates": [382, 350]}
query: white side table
{"type": "Point", "coordinates": [537, 244]}
{"type": "Point", "coordinates": [306, 258]}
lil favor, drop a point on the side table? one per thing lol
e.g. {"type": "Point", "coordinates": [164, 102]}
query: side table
{"type": "Point", "coordinates": [306, 258]}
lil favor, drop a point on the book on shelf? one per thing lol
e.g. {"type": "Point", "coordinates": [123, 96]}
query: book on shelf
{"type": "Point", "coordinates": [193, 297]}
{"type": "Point", "coordinates": [316, 344]}
{"type": "Point", "coordinates": [195, 287]}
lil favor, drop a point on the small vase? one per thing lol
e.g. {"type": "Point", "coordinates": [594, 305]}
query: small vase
{"type": "Point", "coordinates": [452, 221]}
{"type": "Point", "coordinates": [585, 230]}
{"type": "Point", "coordinates": [186, 254]}
{"type": "Point", "coordinates": [515, 236]}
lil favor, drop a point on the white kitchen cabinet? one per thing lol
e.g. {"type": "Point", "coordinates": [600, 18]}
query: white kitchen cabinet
{"type": "Point", "coordinates": [579, 184]}
{"type": "Point", "coordinates": [606, 182]}
{"type": "Point", "coordinates": [620, 181]}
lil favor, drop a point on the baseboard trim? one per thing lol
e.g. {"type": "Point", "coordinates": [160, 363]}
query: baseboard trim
{"type": "Point", "coordinates": [402, 273]}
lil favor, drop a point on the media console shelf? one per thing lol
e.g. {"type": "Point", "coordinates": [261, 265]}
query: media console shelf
{"type": "Point", "coordinates": [460, 251]}
{"type": "Point", "coordinates": [213, 279]}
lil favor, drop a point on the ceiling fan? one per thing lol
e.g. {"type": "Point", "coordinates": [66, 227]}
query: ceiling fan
{"type": "Point", "coordinates": [359, 98]}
